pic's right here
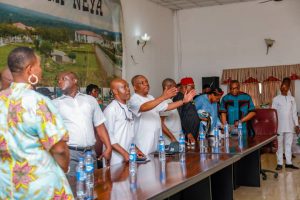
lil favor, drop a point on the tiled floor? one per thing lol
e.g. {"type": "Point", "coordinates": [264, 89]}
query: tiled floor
{"type": "Point", "coordinates": [285, 187]}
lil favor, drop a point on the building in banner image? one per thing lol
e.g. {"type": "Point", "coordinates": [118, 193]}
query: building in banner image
{"type": "Point", "coordinates": [85, 36]}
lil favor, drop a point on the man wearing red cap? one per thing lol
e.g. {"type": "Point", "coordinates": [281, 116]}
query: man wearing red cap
{"type": "Point", "coordinates": [188, 113]}
{"type": "Point", "coordinates": [146, 109]}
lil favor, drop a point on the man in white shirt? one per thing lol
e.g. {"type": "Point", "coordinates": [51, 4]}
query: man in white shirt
{"type": "Point", "coordinates": [287, 125]}
{"type": "Point", "coordinates": [81, 114]}
{"type": "Point", "coordinates": [170, 120]}
{"type": "Point", "coordinates": [146, 108]}
{"type": "Point", "coordinates": [119, 121]}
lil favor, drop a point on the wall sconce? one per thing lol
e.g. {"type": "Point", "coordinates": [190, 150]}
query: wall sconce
{"type": "Point", "coordinates": [269, 43]}
{"type": "Point", "coordinates": [144, 39]}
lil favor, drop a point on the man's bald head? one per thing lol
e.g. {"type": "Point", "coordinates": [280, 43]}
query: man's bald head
{"type": "Point", "coordinates": [120, 89]}
{"type": "Point", "coordinates": [6, 78]}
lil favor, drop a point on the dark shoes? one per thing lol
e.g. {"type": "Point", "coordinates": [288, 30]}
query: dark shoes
{"type": "Point", "coordinates": [279, 167]}
{"type": "Point", "coordinates": [291, 166]}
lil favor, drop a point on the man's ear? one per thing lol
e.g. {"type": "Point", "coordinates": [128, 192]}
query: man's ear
{"type": "Point", "coordinates": [75, 80]}
{"type": "Point", "coordinates": [114, 91]}
{"type": "Point", "coordinates": [134, 87]}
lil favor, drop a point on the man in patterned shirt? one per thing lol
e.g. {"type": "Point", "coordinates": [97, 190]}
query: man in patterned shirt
{"type": "Point", "coordinates": [237, 106]}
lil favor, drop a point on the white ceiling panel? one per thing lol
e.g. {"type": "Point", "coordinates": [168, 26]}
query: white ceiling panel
{"type": "Point", "coordinates": [185, 4]}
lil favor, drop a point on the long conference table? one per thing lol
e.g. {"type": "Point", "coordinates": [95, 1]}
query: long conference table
{"type": "Point", "coordinates": [207, 173]}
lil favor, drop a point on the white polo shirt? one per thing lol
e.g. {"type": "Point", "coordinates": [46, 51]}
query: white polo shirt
{"type": "Point", "coordinates": [80, 114]}
{"type": "Point", "coordinates": [147, 125]}
{"type": "Point", "coordinates": [119, 124]}
{"type": "Point", "coordinates": [172, 122]}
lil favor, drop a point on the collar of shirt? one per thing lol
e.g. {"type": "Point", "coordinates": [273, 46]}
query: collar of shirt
{"type": "Point", "coordinates": [15, 85]}
{"type": "Point", "coordinates": [125, 109]}
{"type": "Point", "coordinates": [68, 96]}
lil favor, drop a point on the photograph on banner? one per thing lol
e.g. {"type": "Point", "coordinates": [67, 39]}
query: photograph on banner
{"type": "Point", "coordinates": [69, 35]}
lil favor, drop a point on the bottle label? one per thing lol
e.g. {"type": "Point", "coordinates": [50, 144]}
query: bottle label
{"type": "Point", "coordinates": [89, 167]}
{"type": "Point", "coordinates": [132, 157]}
{"type": "Point", "coordinates": [202, 136]}
{"type": "Point", "coordinates": [162, 148]}
{"type": "Point", "coordinates": [80, 176]}
{"type": "Point", "coordinates": [216, 132]}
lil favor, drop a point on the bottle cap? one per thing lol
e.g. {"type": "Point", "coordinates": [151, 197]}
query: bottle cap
{"type": "Point", "coordinates": [89, 153]}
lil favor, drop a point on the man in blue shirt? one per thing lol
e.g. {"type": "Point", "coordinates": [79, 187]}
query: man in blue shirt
{"type": "Point", "coordinates": [209, 103]}
{"type": "Point", "coordinates": [236, 106]}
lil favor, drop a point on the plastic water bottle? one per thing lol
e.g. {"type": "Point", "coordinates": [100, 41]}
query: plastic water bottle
{"type": "Point", "coordinates": [182, 156]}
{"type": "Point", "coordinates": [162, 152]}
{"type": "Point", "coordinates": [80, 178]}
{"type": "Point", "coordinates": [201, 139]}
{"type": "Point", "coordinates": [181, 143]}
{"type": "Point", "coordinates": [183, 169]}
{"type": "Point", "coordinates": [216, 135]}
{"type": "Point", "coordinates": [240, 128]}
{"type": "Point", "coordinates": [226, 130]}
{"type": "Point", "coordinates": [227, 145]}
{"type": "Point", "coordinates": [162, 174]}
{"type": "Point", "coordinates": [132, 159]}
{"type": "Point", "coordinates": [89, 171]}
{"type": "Point", "coordinates": [132, 180]}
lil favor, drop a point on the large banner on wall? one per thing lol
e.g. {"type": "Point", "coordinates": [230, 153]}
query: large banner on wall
{"type": "Point", "coordinates": [83, 36]}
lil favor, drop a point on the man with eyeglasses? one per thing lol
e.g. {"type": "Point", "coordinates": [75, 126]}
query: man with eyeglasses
{"type": "Point", "coordinates": [188, 114]}
{"type": "Point", "coordinates": [237, 106]}
{"type": "Point", "coordinates": [146, 109]}
{"type": "Point", "coordinates": [119, 122]}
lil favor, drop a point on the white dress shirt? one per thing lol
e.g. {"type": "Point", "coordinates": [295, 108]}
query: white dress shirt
{"type": "Point", "coordinates": [119, 124]}
{"type": "Point", "coordinates": [172, 122]}
{"type": "Point", "coordinates": [80, 114]}
{"type": "Point", "coordinates": [287, 113]}
{"type": "Point", "coordinates": [147, 125]}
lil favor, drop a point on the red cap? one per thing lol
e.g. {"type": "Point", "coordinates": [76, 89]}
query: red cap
{"type": "Point", "coordinates": [186, 81]}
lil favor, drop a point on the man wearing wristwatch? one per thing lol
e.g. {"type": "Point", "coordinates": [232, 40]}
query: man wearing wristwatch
{"type": "Point", "coordinates": [237, 106]}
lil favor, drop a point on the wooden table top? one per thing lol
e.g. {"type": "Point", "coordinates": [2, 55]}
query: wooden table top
{"type": "Point", "coordinates": [156, 179]}
{"type": "Point", "coordinates": [159, 180]}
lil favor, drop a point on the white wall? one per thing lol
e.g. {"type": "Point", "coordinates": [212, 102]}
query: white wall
{"type": "Point", "coordinates": [230, 36]}
{"type": "Point", "coordinates": [157, 61]}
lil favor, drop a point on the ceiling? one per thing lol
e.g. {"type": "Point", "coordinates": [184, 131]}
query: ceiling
{"type": "Point", "coordinates": [185, 4]}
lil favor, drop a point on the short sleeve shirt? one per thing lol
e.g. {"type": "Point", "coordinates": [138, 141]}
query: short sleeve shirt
{"type": "Point", "coordinates": [147, 125]}
{"type": "Point", "coordinates": [30, 127]}
{"type": "Point", "coordinates": [236, 107]}
{"type": "Point", "coordinates": [80, 114]}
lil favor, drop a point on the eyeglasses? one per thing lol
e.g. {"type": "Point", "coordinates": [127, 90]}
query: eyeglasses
{"type": "Point", "coordinates": [126, 117]}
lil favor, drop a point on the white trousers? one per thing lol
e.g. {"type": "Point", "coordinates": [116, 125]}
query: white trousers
{"type": "Point", "coordinates": [286, 139]}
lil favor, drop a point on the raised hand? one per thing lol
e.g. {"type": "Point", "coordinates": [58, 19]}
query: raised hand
{"type": "Point", "coordinates": [169, 93]}
{"type": "Point", "coordinates": [189, 96]}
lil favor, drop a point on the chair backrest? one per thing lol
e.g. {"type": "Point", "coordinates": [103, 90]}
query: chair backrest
{"type": "Point", "coordinates": [265, 122]}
